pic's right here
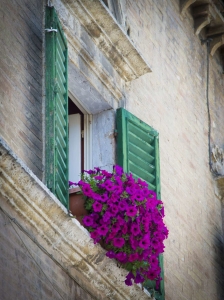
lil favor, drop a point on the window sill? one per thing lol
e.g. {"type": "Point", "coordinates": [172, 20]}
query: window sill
{"type": "Point", "coordinates": [25, 198]}
{"type": "Point", "coordinates": [109, 37]}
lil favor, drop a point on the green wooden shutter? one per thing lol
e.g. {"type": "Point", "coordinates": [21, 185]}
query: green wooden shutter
{"type": "Point", "coordinates": [56, 169]}
{"type": "Point", "coordinates": [138, 152]}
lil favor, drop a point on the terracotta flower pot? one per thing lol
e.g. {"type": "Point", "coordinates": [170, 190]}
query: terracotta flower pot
{"type": "Point", "coordinates": [76, 204]}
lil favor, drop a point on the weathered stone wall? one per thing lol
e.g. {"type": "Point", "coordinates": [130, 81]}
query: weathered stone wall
{"type": "Point", "coordinates": [21, 79]}
{"type": "Point", "coordinates": [172, 99]}
{"type": "Point", "coordinates": [28, 272]}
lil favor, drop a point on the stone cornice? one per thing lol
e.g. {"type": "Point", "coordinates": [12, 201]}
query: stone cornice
{"type": "Point", "coordinates": [28, 200]}
{"type": "Point", "coordinates": [208, 20]}
{"type": "Point", "coordinates": [109, 37]}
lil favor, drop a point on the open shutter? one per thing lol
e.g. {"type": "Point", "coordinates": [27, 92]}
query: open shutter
{"type": "Point", "coordinates": [138, 152]}
{"type": "Point", "coordinates": [56, 170]}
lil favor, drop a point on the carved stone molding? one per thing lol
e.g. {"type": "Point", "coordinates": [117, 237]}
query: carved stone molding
{"type": "Point", "coordinates": [108, 35]}
{"type": "Point", "coordinates": [25, 198]}
{"type": "Point", "coordinates": [216, 43]}
{"type": "Point", "coordinates": [184, 4]}
{"type": "Point", "coordinates": [208, 20]}
{"type": "Point", "coordinates": [203, 15]}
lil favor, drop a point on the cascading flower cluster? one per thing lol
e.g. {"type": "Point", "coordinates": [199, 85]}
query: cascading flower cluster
{"type": "Point", "coordinates": [127, 218]}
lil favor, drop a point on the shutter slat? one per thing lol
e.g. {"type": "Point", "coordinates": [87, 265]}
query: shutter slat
{"type": "Point", "coordinates": [138, 151]}
{"type": "Point", "coordinates": [146, 146]}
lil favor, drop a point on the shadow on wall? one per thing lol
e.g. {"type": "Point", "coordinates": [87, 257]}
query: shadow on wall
{"type": "Point", "coordinates": [219, 263]}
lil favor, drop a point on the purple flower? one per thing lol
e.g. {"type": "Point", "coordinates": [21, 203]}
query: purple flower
{"type": "Point", "coordinates": [88, 221]}
{"type": "Point", "coordinates": [118, 242]}
{"type": "Point", "coordinates": [130, 190]}
{"type": "Point", "coordinates": [71, 183]}
{"type": "Point", "coordinates": [139, 197]}
{"type": "Point", "coordinates": [131, 211]}
{"type": "Point", "coordinates": [133, 257]}
{"type": "Point", "coordinates": [129, 277]}
{"type": "Point", "coordinates": [107, 216]}
{"type": "Point", "coordinates": [86, 188]}
{"type": "Point", "coordinates": [116, 227]}
{"type": "Point", "coordinates": [145, 242]}
{"type": "Point", "coordinates": [104, 197]}
{"type": "Point", "coordinates": [110, 254]}
{"type": "Point", "coordinates": [135, 230]}
{"type": "Point", "coordinates": [118, 170]}
{"type": "Point", "coordinates": [94, 235]}
{"type": "Point", "coordinates": [98, 177]}
{"type": "Point", "coordinates": [111, 236]}
{"type": "Point", "coordinates": [121, 256]}
{"type": "Point", "coordinates": [90, 172]}
{"type": "Point", "coordinates": [113, 210]}
{"type": "Point", "coordinates": [139, 278]}
{"type": "Point", "coordinates": [123, 205]}
{"type": "Point", "coordinates": [134, 243]}
{"type": "Point", "coordinates": [109, 185]}
{"type": "Point", "coordinates": [142, 183]}
{"type": "Point", "coordinates": [124, 229]}
{"type": "Point", "coordinates": [102, 230]}
{"type": "Point", "coordinates": [97, 206]}
{"type": "Point", "coordinates": [145, 192]}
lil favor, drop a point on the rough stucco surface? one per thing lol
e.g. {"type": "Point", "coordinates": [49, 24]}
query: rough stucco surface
{"type": "Point", "coordinates": [21, 79]}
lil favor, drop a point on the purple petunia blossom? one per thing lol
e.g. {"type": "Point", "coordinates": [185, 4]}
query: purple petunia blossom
{"type": "Point", "coordinates": [145, 242]}
{"type": "Point", "coordinates": [90, 172]}
{"type": "Point", "coordinates": [139, 278]}
{"type": "Point", "coordinates": [107, 216]}
{"type": "Point", "coordinates": [102, 230]}
{"type": "Point", "coordinates": [142, 183]}
{"type": "Point", "coordinates": [124, 229]}
{"type": "Point", "coordinates": [118, 170]}
{"type": "Point", "coordinates": [123, 205]}
{"type": "Point", "coordinates": [104, 197]}
{"type": "Point", "coordinates": [135, 230]}
{"type": "Point", "coordinates": [110, 254]}
{"type": "Point", "coordinates": [131, 211]}
{"type": "Point", "coordinates": [72, 183]}
{"type": "Point", "coordinates": [121, 256]}
{"type": "Point", "coordinates": [129, 277]}
{"type": "Point", "coordinates": [113, 210]}
{"type": "Point", "coordinates": [97, 206]}
{"type": "Point", "coordinates": [98, 177]}
{"type": "Point", "coordinates": [116, 227]}
{"type": "Point", "coordinates": [133, 257]}
{"type": "Point", "coordinates": [86, 188]}
{"type": "Point", "coordinates": [94, 234]}
{"type": "Point", "coordinates": [118, 242]}
{"type": "Point", "coordinates": [88, 221]}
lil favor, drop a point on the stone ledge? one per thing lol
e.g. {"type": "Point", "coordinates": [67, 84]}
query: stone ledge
{"type": "Point", "coordinates": [109, 37]}
{"type": "Point", "coordinates": [45, 218]}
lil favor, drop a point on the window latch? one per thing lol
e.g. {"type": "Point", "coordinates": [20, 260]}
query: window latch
{"type": "Point", "coordinates": [51, 29]}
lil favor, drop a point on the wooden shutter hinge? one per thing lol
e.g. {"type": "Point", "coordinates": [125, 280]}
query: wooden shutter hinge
{"type": "Point", "coordinates": [115, 132]}
{"type": "Point", "coordinates": [51, 30]}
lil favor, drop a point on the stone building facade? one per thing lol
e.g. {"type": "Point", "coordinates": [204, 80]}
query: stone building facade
{"type": "Point", "coordinates": [162, 61]}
